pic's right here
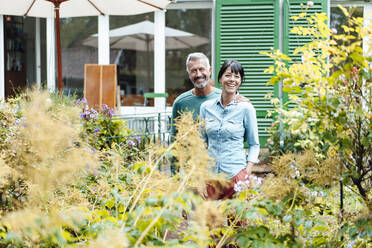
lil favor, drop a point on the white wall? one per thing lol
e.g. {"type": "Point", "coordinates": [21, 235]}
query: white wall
{"type": "Point", "coordinates": [367, 14]}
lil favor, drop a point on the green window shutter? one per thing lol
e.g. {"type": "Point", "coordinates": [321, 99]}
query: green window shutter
{"type": "Point", "coordinates": [243, 29]}
{"type": "Point", "coordinates": [292, 41]}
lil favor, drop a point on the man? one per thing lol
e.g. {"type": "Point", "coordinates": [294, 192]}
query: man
{"type": "Point", "coordinates": [199, 70]}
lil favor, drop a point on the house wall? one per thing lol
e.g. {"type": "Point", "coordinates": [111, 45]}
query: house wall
{"type": "Point", "coordinates": [179, 78]}
{"type": "Point", "coordinates": [244, 28]}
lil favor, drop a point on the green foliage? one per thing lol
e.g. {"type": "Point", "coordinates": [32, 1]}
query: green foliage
{"type": "Point", "coordinates": [124, 201]}
{"type": "Point", "coordinates": [103, 131]}
{"type": "Point", "coordinates": [332, 93]}
{"type": "Point", "coordinates": [115, 195]}
{"type": "Point", "coordinates": [289, 135]}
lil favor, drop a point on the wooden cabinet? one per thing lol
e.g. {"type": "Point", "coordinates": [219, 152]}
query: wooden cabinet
{"type": "Point", "coordinates": [15, 55]}
{"type": "Point", "coordinates": [100, 85]}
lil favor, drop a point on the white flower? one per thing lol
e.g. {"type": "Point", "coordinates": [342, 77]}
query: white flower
{"type": "Point", "coordinates": [296, 172]}
{"type": "Point", "coordinates": [241, 185]}
{"type": "Point", "coordinates": [252, 181]}
{"type": "Point", "coordinates": [333, 31]}
{"type": "Point", "coordinates": [256, 181]}
{"type": "Point", "coordinates": [310, 4]}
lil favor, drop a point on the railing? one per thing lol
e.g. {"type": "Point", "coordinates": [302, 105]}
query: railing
{"type": "Point", "coordinates": [148, 127]}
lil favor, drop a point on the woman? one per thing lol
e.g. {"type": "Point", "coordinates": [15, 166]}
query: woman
{"type": "Point", "coordinates": [227, 125]}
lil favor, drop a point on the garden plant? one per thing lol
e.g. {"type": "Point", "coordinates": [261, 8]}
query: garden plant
{"type": "Point", "coordinates": [69, 179]}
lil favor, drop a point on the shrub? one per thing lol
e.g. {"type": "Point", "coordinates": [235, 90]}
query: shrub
{"type": "Point", "coordinates": [331, 90]}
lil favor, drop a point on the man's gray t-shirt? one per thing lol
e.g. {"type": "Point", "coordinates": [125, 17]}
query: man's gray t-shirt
{"type": "Point", "coordinates": [187, 101]}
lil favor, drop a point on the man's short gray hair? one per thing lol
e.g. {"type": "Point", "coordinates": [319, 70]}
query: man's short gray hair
{"type": "Point", "coordinates": [196, 56]}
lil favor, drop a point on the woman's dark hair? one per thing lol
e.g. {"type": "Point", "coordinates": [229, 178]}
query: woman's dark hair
{"type": "Point", "coordinates": [235, 67]}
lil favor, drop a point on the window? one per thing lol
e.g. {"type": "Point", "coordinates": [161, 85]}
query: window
{"type": "Point", "coordinates": [194, 21]}
{"type": "Point", "coordinates": [338, 18]}
{"type": "Point", "coordinates": [132, 50]}
{"type": "Point", "coordinates": [134, 53]}
{"type": "Point", "coordinates": [74, 53]}
{"type": "Point", "coordinates": [20, 52]}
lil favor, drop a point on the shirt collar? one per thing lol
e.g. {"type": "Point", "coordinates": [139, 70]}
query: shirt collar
{"type": "Point", "coordinates": [219, 100]}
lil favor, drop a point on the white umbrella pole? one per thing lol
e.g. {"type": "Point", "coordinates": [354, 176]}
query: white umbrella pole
{"type": "Point", "coordinates": [159, 59]}
{"type": "Point", "coordinates": [103, 40]}
{"type": "Point", "coordinates": [148, 75]}
{"type": "Point", "coordinates": [51, 63]}
{"type": "Point", "coordinates": [159, 65]}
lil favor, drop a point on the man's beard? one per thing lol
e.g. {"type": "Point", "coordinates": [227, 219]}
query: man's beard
{"type": "Point", "coordinates": [200, 86]}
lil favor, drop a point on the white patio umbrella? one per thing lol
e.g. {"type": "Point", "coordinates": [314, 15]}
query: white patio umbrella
{"type": "Point", "coordinates": [74, 8]}
{"type": "Point", "coordinates": [140, 37]}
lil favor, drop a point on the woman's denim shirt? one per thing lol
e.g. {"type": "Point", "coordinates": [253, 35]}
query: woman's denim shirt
{"type": "Point", "coordinates": [225, 131]}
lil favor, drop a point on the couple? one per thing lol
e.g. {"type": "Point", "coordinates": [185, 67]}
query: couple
{"type": "Point", "coordinates": [230, 119]}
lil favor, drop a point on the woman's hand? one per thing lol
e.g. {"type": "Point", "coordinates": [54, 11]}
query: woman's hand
{"type": "Point", "coordinates": [249, 168]}
{"type": "Point", "coordinates": [244, 174]}
{"type": "Point", "coordinates": [241, 176]}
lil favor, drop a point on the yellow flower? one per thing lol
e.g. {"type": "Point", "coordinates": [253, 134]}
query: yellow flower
{"type": "Point", "coordinates": [332, 152]}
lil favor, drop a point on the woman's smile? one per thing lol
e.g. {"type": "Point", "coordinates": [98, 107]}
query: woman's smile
{"type": "Point", "coordinates": [230, 81]}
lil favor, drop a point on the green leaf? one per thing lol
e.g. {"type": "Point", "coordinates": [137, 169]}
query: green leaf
{"type": "Point", "coordinates": [308, 224]}
{"type": "Point", "coordinates": [318, 228]}
{"type": "Point", "coordinates": [287, 218]}
{"type": "Point", "coordinates": [151, 201]}
{"type": "Point", "coordinates": [353, 231]}
{"type": "Point", "coordinates": [299, 221]}
{"type": "Point", "coordinates": [251, 215]}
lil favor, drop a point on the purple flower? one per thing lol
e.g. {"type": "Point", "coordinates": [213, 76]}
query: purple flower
{"type": "Point", "coordinates": [107, 111]}
{"type": "Point", "coordinates": [84, 115]}
{"type": "Point", "coordinates": [83, 100]}
{"type": "Point", "coordinates": [138, 139]}
{"type": "Point", "coordinates": [97, 129]}
{"type": "Point", "coordinates": [17, 121]}
{"type": "Point", "coordinates": [93, 111]}
{"type": "Point", "coordinates": [131, 143]}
